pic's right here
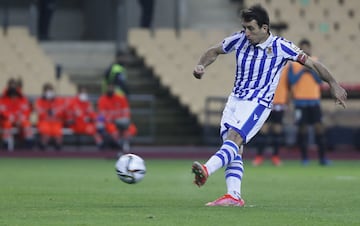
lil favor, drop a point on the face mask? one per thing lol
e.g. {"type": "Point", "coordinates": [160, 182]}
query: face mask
{"type": "Point", "coordinates": [49, 94]}
{"type": "Point", "coordinates": [110, 93]}
{"type": "Point", "coordinates": [83, 97]}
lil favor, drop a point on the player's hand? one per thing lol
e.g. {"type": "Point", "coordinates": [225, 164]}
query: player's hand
{"type": "Point", "coordinates": [339, 93]}
{"type": "Point", "coordinates": [199, 70]}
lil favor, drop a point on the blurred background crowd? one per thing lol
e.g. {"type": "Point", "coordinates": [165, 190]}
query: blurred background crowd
{"type": "Point", "coordinates": [48, 115]}
{"type": "Point", "coordinates": [56, 80]}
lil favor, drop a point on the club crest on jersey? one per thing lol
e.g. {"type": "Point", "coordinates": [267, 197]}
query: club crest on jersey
{"type": "Point", "coordinates": [245, 47]}
{"type": "Point", "coordinates": [269, 50]}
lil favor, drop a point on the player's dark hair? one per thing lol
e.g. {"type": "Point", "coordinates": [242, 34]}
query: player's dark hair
{"type": "Point", "coordinates": [304, 41]}
{"type": "Point", "coordinates": [257, 13]}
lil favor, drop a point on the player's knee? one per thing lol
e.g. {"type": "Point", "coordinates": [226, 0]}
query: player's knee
{"type": "Point", "coordinates": [235, 137]}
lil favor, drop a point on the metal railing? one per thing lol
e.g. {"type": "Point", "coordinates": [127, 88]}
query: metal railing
{"type": "Point", "coordinates": [337, 128]}
{"type": "Point", "coordinates": [147, 112]}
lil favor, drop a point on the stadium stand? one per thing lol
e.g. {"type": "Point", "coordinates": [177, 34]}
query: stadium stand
{"type": "Point", "coordinates": [172, 58]}
{"type": "Point", "coordinates": [22, 57]}
{"type": "Point", "coordinates": [332, 26]}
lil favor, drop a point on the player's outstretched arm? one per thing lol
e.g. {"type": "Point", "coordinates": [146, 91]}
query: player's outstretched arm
{"type": "Point", "coordinates": [336, 90]}
{"type": "Point", "coordinates": [206, 59]}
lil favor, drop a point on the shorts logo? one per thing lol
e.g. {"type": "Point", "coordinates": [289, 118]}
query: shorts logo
{"type": "Point", "coordinates": [256, 117]}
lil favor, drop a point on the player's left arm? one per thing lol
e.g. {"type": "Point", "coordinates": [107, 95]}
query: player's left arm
{"type": "Point", "coordinates": [206, 59]}
{"type": "Point", "coordinates": [336, 90]}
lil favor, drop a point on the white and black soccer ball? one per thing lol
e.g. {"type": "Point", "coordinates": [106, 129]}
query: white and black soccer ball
{"type": "Point", "coordinates": [130, 168]}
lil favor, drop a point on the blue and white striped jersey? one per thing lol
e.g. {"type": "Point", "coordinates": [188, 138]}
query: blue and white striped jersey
{"type": "Point", "coordinates": [258, 67]}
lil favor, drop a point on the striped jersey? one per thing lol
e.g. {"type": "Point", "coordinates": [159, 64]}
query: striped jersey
{"type": "Point", "coordinates": [258, 67]}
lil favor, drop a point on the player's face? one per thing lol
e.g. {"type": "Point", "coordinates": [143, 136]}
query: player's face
{"type": "Point", "coordinates": [254, 33]}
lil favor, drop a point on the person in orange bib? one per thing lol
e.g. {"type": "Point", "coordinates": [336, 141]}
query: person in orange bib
{"type": "Point", "coordinates": [15, 110]}
{"type": "Point", "coordinates": [51, 114]}
{"type": "Point", "coordinates": [305, 89]}
{"type": "Point", "coordinates": [114, 118]}
{"type": "Point", "coordinates": [272, 131]}
{"type": "Point", "coordinates": [81, 116]}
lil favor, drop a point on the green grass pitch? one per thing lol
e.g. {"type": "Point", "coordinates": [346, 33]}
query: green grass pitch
{"type": "Point", "coordinates": [88, 192]}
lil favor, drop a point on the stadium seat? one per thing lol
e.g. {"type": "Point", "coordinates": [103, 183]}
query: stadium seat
{"type": "Point", "coordinates": [22, 57]}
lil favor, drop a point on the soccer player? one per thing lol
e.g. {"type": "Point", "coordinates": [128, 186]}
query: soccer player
{"type": "Point", "coordinates": [271, 132]}
{"type": "Point", "coordinates": [305, 88]}
{"type": "Point", "coordinates": [260, 57]}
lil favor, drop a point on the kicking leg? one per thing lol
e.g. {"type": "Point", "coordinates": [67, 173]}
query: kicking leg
{"type": "Point", "coordinates": [226, 154]}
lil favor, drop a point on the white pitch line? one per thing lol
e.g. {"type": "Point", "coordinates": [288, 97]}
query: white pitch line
{"type": "Point", "coordinates": [346, 178]}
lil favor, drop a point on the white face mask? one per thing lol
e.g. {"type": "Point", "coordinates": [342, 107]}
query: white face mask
{"type": "Point", "coordinates": [49, 94]}
{"type": "Point", "coordinates": [83, 97]}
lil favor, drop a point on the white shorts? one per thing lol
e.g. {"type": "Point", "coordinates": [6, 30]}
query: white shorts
{"type": "Point", "coordinates": [245, 117]}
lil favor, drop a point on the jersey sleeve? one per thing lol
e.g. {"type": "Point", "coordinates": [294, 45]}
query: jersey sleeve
{"type": "Point", "coordinates": [229, 43]}
{"type": "Point", "coordinates": [291, 52]}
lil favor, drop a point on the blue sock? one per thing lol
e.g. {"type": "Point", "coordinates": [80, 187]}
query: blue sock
{"type": "Point", "coordinates": [227, 153]}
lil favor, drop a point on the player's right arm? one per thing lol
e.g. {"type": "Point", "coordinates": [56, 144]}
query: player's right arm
{"type": "Point", "coordinates": [294, 53]}
{"type": "Point", "coordinates": [336, 90]}
{"type": "Point", "coordinates": [206, 59]}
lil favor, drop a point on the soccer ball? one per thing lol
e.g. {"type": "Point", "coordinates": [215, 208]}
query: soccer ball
{"type": "Point", "coordinates": [130, 168]}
